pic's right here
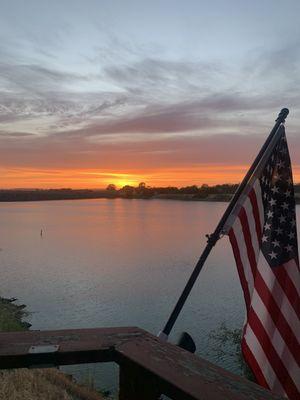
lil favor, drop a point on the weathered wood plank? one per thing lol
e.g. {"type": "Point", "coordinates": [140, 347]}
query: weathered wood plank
{"type": "Point", "coordinates": [147, 365]}
{"type": "Point", "coordinates": [185, 376]}
{"type": "Point", "coordinates": [76, 346]}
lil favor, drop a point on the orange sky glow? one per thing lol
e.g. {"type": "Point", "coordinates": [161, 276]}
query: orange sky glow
{"type": "Point", "coordinates": [91, 106]}
{"type": "Point", "coordinates": [93, 178]}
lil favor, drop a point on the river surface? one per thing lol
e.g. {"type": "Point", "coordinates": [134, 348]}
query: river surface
{"type": "Point", "coordinates": [118, 262]}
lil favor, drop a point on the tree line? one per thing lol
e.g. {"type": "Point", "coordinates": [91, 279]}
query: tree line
{"type": "Point", "coordinates": [221, 192]}
{"type": "Point", "coordinates": [145, 191]}
{"type": "Point", "coordinates": [198, 192]}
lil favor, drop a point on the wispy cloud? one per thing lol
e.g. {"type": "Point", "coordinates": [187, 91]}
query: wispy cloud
{"type": "Point", "coordinates": [58, 151]}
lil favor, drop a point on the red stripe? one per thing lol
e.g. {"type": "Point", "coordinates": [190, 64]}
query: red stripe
{"type": "Point", "coordinates": [247, 237]}
{"type": "Point", "coordinates": [253, 199]}
{"type": "Point", "coordinates": [274, 312]}
{"type": "Point", "coordinates": [265, 294]}
{"type": "Point", "coordinates": [274, 359]}
{"type": "Point", "coordinates": [277, 317]}
{"type": "Point", "coordinates": [288, 287]}
{"type": "Point", "coordinates": [253, 364]}
{"type": "Point", "coordinates": [240, 268]}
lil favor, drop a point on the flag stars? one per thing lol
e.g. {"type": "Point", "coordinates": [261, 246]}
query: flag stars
{"type": "Point", "coordinates": [270, 214]}
{"type": "Point", "coordinates": [275, 243]}
{"type": "Point", "coordinates": [273, 255]}
{"type": "Point", "coordinates": [282, 219]}
{"type": "Point", "coordinates": [276, 177]}
{"type": "Point", "coordinates": [275, 189]}
{"type": "Point", "coordinates": [280, 164]}
{"type": "Point", "coordinates": [287, 193]}
{"type": "Point", "coordinates": [267, 226]}
{"type": "Point", "coordinates": [264, 238]}
{"type": "Point", "coordinates": [291, 235]}
{"type": "Point", "coordinates": [279, 236]}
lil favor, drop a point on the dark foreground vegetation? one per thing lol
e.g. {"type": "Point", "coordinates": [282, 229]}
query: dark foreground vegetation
{"type": "Point", "coordinates": [204, 192]}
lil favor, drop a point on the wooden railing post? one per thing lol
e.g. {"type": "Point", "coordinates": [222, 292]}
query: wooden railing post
{"type": "Point", "coordinates": [137, 384]}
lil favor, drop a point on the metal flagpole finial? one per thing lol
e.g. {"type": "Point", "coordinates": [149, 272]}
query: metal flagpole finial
{"type": "Point", "coordinates": [282, 115]}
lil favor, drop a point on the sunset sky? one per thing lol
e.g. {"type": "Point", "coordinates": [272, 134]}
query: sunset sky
{"type": "Point", "coordinates": [166, 92]}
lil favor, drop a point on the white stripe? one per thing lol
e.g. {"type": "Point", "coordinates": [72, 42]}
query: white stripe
{"type": "Point", "coordinates": [293, 272]}
{"type": "Point", "coordinates": [251, 221]}
{"type": "Point", "coordinates": [276, 339]}
{"type": "Point", "coordinates": [238, 232]}
{"type": "Point", "coordinates": [262, 361]}
{"type": "Point", "coordinates": [257, 190]}
{"type": "Point", "coordinates": [278, 294]}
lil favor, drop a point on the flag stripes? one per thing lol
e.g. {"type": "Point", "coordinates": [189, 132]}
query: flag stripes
{"type": "Point", "coordinates": [270, 341]}
{"type": "Point", "coordinates": [261, 312]}
{"type": "Point", "coordinates": [253, 362]}
{"type": "Point", "coordinates": [286, 282]}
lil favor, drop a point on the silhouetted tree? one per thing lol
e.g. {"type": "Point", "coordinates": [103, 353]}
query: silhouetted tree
{"type": "Point", "coordinates": [127, 191]}
{"type": "Point", "coordinates": [111, 188]}
{"type": "Point", "coordinates": [189, 189]}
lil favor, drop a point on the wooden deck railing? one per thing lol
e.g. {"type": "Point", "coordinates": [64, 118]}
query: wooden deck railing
{"type": "Point", "coordinates": [148, 367]}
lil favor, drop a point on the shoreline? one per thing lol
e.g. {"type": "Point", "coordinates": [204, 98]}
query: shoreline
{"type": "Point", "coordinates": [222, 198]}
{"type": "Point", "coordinates": [204, 193]}
{"type": "Point", "coordinates": [12, 315]}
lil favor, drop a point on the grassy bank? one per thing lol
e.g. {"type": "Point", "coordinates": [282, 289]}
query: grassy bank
{"type": "Point", "coordinates": [43, 384]}
{"type": "Point", "coordinates": [12, 316]}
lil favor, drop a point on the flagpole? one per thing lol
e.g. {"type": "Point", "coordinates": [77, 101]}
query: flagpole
{"type": "Point", "coordinates": [214, 237]}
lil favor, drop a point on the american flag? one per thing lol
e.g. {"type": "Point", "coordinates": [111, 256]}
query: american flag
{"type": "Point", "coordinates": [263, 235]}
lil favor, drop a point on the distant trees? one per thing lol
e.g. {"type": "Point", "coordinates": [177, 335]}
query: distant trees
{"type": "Point", "coordinates": [192, 191]}
{"type": "Point", "coordinates": [144, 191]}
{"type": "Point", "coordinates": [142, 185]}
{"type": "Point", "coordinates": [111, 188]}
{"type": "Point", "coordinates": [189, 189]}
{"type": "Point", "coordinates": [203, 191]}
{"type": "Point", "coordinates": [127, 191]}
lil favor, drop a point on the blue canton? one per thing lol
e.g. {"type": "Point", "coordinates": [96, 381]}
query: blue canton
{"type": "Point", "coordinates": [279, 236]}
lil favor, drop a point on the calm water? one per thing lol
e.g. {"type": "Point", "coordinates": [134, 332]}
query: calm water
{"type": "Point", "coordinates": [118, 262]}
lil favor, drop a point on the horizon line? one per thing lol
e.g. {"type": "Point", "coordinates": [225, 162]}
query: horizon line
{"type": "Point", "coordinates": [105, 188]}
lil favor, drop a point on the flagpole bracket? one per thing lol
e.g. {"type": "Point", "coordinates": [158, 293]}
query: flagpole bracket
{"type": "Point", "coordinates": [212, 238]}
